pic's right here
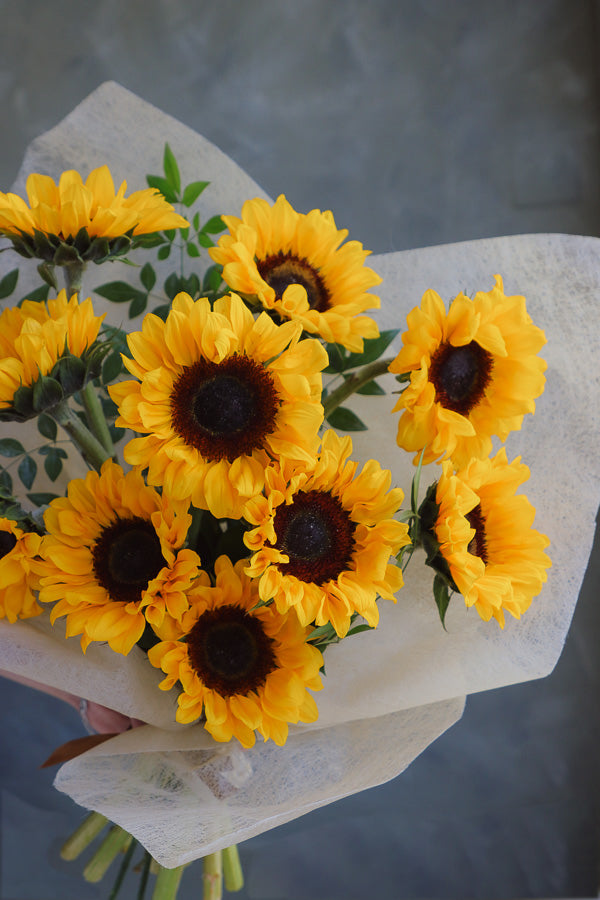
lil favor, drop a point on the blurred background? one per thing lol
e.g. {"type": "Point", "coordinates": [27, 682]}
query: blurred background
{"type": "Point", "coordinates": [417, 122]}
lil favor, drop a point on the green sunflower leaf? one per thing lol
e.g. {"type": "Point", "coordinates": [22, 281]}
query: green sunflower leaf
{"type": "Point", "coordinates": [6, 483]}
{"type": "Point", "coordinates": [27, 471]}
{"type": "Point", "coordinates": [373, 348]}
{"type": "Point", "coordinates": [162, 185]}
{"type": "Point", "coordinates": [119, 292]}
{"type": "Point", "coordinates": [11, 447]}
{"type": "Point", "coordinates": [337, 359]}
{"type": "Point", "coordinates": [41, 498]}
{"type": "Point", "coordinates": [344, 419]}
{"type": "Point", "coordinates": [372, 389]}
{"type": "Point", "coordinates": [214, 225]}
{"type": "Point", "coordinates": [137, 305]}
{"type": "Point", "coordinates": [205, 241]}
{"type": "Point", "coordinates": [40, 295]}
{"type": "Point", "coordinates": [53, 463]}
{"type": "Point", "coordinates": [193, 191]}
{"type": "Point", "coordinates": [212, 278]}
{"type": "Point", "coordinates": [111, 368]}
{"type": "Point", "coordinates": [164, 252]}
{"type": "Point", "coordinates": [148, 276]}
{"type": "Point", "coordinates": [192, 250]}
{"type": "Point", "coordinates": [47, 426]}
{"type": "Point", "coordinates": [8, 283]}
{"type": "Point", "coordinates": [171, 170]}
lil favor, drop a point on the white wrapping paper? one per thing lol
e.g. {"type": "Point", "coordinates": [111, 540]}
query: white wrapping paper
{"type": "Point", "coordinates": [388, 693]}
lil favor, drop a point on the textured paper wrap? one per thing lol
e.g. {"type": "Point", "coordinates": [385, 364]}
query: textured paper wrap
{"type": "Point", "coordinates": [387, 693]}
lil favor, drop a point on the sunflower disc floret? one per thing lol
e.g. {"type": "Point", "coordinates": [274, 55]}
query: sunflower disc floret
{"type": "Point", "coordinates": [323, 538]}
{"type": "Point", "coordinates": [114, 559]}
{"type": "Point", "coordinates": [298, 266]}
{"type": "Point", "coordinates": [485, 533]}
{"type": "Point", "coordinates": [219, 395]}
{"type": "Point", "coordinates": [242, 666]}
{"type": "Point", "coordinates": [474, 373]}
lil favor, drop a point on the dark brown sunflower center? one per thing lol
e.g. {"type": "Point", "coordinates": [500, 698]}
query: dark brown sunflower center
{"type": "Point", "coordinates": [127, 556]}
{"type": "Point", "coordinates": [224, 409]}
{"type": "Point", "coordinates": [317, 534]}
{"type": "Point", "coordinates": [477, 544]}
{"type": "Point", "coordinates": [7, 542]}
{"type": "Point", "coordinates": [230, 651]}
{"type": "Point", "coordinates": [283, 269]}
{"type": "Point", "coordinates": [460, 375]}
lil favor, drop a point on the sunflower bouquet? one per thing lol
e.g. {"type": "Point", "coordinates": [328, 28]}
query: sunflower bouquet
{"type": "Point", "coordinates": [218, 546]}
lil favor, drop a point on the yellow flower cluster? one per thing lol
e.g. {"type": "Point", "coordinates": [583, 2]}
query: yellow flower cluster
{"type": "Point", "coordinates": [225, 402]}
{"type": "Point", "coordinates": [473, 372]}
{"type": "Point", "coordinates": [62, 210]}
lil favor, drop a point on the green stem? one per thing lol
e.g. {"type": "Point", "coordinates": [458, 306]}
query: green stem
{"type": "Point", "coordinates": [144, 875]}
{"type": "Point", "coordinates": [116, 840]}
{"type": "Point", "coordinates": [73, 278]}
{"type": "Point", "coordinates": [90, 448]}
{"type": "Point", "coordinates": [122, 870]}
{"type": "Point", "coordinates": [232, 869]}
{"type": "Point", "coordinates": [96, 418]}
{"type": "Point", "coordinates": [167, 883]}
{"type": "Point", "coordinates": [212, 876]}
{"type": "Point", "coordinates": [354, 382]}
{"type": "Point", "coordinates": [83, 836]}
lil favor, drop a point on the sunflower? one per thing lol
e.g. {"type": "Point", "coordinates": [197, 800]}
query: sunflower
{"type": "Point", "coordinates": [38, 339]}
{"type": "Point", "coordinates": [73, 220]}
{"type": "Point", "coordinates": [496, 558]}
{"type": "Point", "coordinates": [474, 373]}
{"type": "Point", "coordinates": [245, 667]}
{"type": "Point", "coordinates": [219, 394]}
{"type": "Point", "coordinates": [113, 559]}
{"type": "Point", "coordinates": [298, 266]}
{"type": "Point", "coordinates": [323, 538]}
{"type": "Point", "coordinates": [18, 578]}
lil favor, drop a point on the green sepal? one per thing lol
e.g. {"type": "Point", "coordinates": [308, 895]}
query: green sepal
{"type": "Point", "coordinates": [43, 246]}
{"type": "Point", "coordinates": [65, 255]}
{"type": "Point", "coordinates": [70, 372]}
{"type": "Point", "coordinates": [47, 392]}
{"type": "Point", "coordinates": [441, 595]}
{"type": "Point", "coordinates": [100, 249]}
{"type": "Point", "coordinates": [23, 402]}
{"type": "Point", "coordinates": [82, 240]}
{"type": "Point", "coordinates": [47, 274]}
